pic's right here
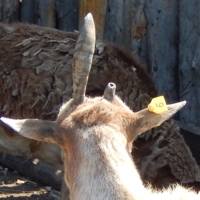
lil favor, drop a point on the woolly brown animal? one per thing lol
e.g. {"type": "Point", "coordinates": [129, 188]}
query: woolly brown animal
{"type": "Point", "coordinates": [35, 77]}
{"type": "Point", "coordinates": [96, 136]}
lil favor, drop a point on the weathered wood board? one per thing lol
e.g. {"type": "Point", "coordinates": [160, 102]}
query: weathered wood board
{"type": "Point", "coordinates": [189, 60]}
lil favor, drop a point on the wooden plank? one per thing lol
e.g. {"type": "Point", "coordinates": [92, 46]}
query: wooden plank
{"type": "Point", "coordinates": [119, 22]}
{"type": "Point", "coordinates": [47, 13]}
{"type": "Point", "coordinates": [98, 10]}
{"type": "Point", "coordinates": [114, 22]}
{"type": "Point", "coordinates": [28, 11]}
{"type": "Point", "coordinates": [149, 28]}
{"type": "Point", "coordinates": [67, 14]}
{"type": "Point", "coordinates": [189, 60]}
{"type": "Point", "coordinates": [138, 26]}
{"type": "Point", "coordinates": [38, 171]}
{"type": "Point", "coordinates": [9, 10]}
{"type": "Point", "coordinates": [127, 20]}
{"type": "Point", "coordinates": [161, 46]}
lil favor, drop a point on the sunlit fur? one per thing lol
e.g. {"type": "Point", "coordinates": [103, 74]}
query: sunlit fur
{"type": "Point", "coordinates": [96, 151]}
{"type": "Point", "coordinates": [97, 154]}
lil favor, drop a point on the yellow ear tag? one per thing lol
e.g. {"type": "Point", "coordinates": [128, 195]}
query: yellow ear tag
{"type": "Point", "coordinates": [158, 105]}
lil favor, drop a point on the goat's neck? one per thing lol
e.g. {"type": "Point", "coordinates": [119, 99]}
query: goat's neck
{"type": "Point", "coordinates": [101, 168]}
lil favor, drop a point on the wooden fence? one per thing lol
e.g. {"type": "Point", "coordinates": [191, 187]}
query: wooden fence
{"type": "Point", "coordinates": [165, 33]}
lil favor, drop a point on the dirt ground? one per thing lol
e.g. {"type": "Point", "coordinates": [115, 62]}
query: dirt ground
{"type": "Point", "coordinates": [13, 186]}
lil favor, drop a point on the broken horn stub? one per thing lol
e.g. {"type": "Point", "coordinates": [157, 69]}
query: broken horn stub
{"type": "Point", "coordinates": [83, 57]}
{"type": "Point", "coordinates": [109, 92]}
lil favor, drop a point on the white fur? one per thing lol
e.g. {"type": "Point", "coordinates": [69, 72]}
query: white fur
{"type": "Point", "coordinates": [99, 174]}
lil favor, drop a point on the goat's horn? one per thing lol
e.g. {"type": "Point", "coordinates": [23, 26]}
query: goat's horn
{"type": "Point", "coordinates": [109, 92]}
{"type": "Point", "coordinates": [82, 60]}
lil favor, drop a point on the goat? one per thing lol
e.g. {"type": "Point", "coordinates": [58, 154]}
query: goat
{"type": "Point", "coordinates": [35, 77]}
{"type": "Point", "coordinates": [96, 135]}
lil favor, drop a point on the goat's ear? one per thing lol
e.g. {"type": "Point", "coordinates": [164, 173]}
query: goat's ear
{"type": "Point", "coordinates": [41, 130]}
{"type": "Point", "coordinates": [144, 120]}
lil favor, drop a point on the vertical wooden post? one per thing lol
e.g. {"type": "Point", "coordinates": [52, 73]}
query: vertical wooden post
{"type": "Point", "coordinates": [28, 11]}
{"type": "Point", "coordinates": [47, 13]}
{"type": "Point", "coordinates": [114, 22]}
{"type": "Point", "coordinates": [189, 60]}
{"type": "Point", "coordinates": [9, 10]}
{"type": "Point", "coordinates": [67, 14]}
{"type": "Point", "coordinates": [98, 10]}
{"type": "Point", "coordinates": [125, 22]}
{"type": "Point", "coordinates": [162, 46]}
{"type": "Point", "coordinates": [138, 28]}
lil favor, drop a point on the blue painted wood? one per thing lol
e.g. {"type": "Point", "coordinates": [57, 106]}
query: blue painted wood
{"type": "Point", "coordinates": [46, 13]}
{"type": "Point", "coordinates": [162, 46]}
{"type": "Point", "coordinates": [28, 12]}
{"type": "Point", "coordinates": [114, 21]}
{"type": "Point", "coordinates": [189, 60]}
{"type": "Point", "coordinates": [67, 14]}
